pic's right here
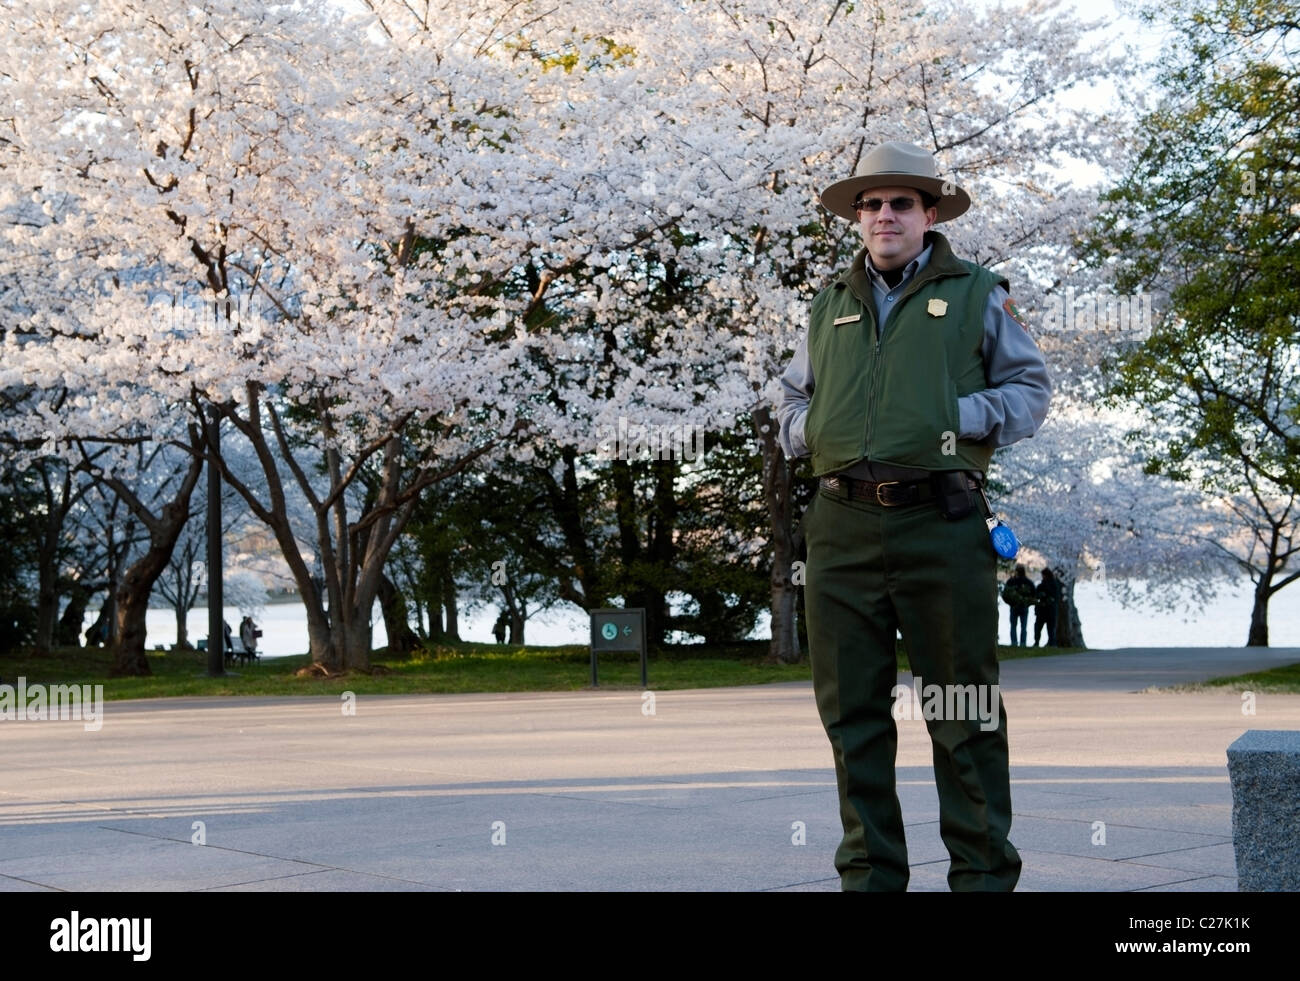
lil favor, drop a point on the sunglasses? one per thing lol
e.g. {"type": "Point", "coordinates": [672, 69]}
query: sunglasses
{"type": "Point", "coordinates": [895, 204]}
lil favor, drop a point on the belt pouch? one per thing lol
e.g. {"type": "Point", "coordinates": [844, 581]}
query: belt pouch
{"type": "Point", "coordinates": [952, 494]}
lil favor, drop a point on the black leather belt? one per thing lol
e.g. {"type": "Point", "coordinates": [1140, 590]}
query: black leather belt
{"type": "Point", "coordinates": [886, 493]}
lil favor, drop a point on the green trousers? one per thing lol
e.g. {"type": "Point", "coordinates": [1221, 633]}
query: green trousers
{"type": "Point", "coordinates": [871, 571]}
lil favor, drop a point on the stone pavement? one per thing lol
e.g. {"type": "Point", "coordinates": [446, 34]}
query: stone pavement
{"type": "Point", "coordinates": [586, 791]}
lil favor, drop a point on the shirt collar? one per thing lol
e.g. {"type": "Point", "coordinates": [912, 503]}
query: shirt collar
{"type": "Point", "coordinates": [910, 270]}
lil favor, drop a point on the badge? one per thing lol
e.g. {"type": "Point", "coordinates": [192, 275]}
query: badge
{"type": "Point", "coordinates": [854, 318]}
{"type": "Point", "coordinates": [1013, 312]}
{"type": "Point", "coordinates": [936, 307]}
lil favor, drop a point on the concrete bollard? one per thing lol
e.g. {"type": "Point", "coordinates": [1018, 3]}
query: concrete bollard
{"type": "Point", "coordinates": [1264, 767]}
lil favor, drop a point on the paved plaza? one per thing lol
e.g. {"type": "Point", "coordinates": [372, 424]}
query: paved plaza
{"type": "Point", "coordinates": [717, 789]}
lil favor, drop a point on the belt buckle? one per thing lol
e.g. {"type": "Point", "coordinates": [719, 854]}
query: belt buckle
{"type": "Point", "coordinates": [885, 483]}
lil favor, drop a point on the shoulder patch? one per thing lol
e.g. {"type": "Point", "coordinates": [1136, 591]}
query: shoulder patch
{"type": "Point", "coordinates": [1014, 313]}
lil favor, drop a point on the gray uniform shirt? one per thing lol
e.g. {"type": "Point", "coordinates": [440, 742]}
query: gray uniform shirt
{"type": "Point", "coordinates": [1011, 408]}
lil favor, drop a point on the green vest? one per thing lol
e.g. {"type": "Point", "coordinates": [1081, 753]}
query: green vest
{"type": "Point", "coordinates": [894, 400]}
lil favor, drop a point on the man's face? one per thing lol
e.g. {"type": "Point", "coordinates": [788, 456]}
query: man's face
{"type": "Point", "coordinates": [894, 238]}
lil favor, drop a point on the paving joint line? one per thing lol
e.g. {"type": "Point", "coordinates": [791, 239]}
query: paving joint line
{"type": "Point", "coordinates": [1164, 885]}
{"type": "Point", "coordinates": [807, 882]}
{"type": "Point", "coordinates": [1130, 827]}
{"type": "Point", "coordinates": [219, 848]}
{"type": "Point", "coordinates": [318, 866]}
{"type": "Point", "coordinates": [32, 882]}
{"type": "Point", "coordinates": [272, 878]}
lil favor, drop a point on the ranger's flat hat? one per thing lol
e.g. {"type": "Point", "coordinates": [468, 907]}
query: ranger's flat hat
{"type": "Point", "coordinates": [896, 164]}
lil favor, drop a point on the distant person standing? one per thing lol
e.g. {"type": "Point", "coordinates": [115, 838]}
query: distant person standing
{"type": "Point", "coordinates": [1019, 593]}
{"type": "Point", "coordinates": [1046, 603]}
{"type": "Point", "coordinates": [499, 629]}
{"type": "Point", "coordinates": [248, 634]}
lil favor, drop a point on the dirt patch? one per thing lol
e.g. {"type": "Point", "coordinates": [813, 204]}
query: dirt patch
{"type": "Point", "coordinates": [320, 671]}
{"type": "Point", "coordinates": [317, 671]}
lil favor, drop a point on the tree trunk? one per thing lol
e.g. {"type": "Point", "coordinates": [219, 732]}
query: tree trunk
{"type": "Point", "coordinates": [401, 639]}
{"type": "Point", "coordinates": [353, 553]}
{"type": "Point", "coordinates": [350, 566]}
{"type": "Point", "coordinates": [801, 616]}
{"type": "Point", "coordinates": [355, 642]}
{"type": "Point", "coordinates": [132, 606]}
{"type": "Point", "coordinates": [776, 491]}
{"type": "Point", "coordinates": [182, 629]}
{"type": "Point", "coordinates": [117, 555]}
{"type": "Point", "coordinates": [59, 498]}
{"type": "Point", "coordinates": [1069, 631]}
{"type": "Point", "coordinates": [581, 584]}
{"type": "Point", "coordinates": [179, 586]}
{"type": "Point", "coordinates": [117, 546]}
{"type": "Point", "coordinates": [339, 643]}
{"type": "Point", "coordinates": [449, 603]}
{"type": "Point", "coordinates": [437, 634]}
{"type": "Point", "coordinates": [137, 585]}
{"type": "Point", "coordinates": [1258, 636]}
{"type": "Point", "coordinates": [320, 642]}
{"type": "Point", "coordinates": [511, 612]}
{"type": "Point", "coordinates": [47, 595]}
{"type": "Point", "coordinates": [641, 565]}
{"type": "Point", "coordinates": [421, 631]}
{"type": "Point", "coordinates": [785, 640]}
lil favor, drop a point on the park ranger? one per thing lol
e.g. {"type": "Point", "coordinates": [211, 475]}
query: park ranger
{"type": "Point", "coordinates": [916, 366]}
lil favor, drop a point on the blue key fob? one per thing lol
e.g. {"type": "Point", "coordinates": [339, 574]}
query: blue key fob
{"type": "Point", "coordinates": [1004, 539]}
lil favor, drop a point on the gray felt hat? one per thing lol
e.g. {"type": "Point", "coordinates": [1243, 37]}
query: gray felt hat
{"type": "Point", "coordinates": [896, 164]}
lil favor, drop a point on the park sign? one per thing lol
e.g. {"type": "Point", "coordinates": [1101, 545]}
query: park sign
{"type": "Point", "coordinates": [617, 630]}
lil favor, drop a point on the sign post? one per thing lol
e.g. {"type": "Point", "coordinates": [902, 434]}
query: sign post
{"type": "Point", "coordinates": [617, 630]}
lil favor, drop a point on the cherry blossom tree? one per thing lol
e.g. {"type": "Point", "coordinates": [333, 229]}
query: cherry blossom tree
{"type": "Point", "coordinates": [389, 247]}
{"type": "Point", "coordinates": [252, 212]}
{"type": "Point", "coordinates": [779, 100]}
{"type": "Point", "coordinates": [1083, 506]}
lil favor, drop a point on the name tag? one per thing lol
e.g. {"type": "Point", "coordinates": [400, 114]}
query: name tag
{"type": "Point", "coordinates": [848, 320]}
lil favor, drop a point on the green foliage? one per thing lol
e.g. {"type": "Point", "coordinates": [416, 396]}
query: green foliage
{"type": "Point", "coordinates": [699, 531]}
{"type": "Point", "coordinates": [1209, 215]}
{"type": "Point", "coordinates": [17, 562]}
{"type": "Point", "coordinates": [570, 56]}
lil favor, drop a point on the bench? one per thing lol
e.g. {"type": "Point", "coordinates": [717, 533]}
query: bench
{"type": "Point", "coordinates": [235, 650]}
{"type": "Point", "coordinates": [238, 650]}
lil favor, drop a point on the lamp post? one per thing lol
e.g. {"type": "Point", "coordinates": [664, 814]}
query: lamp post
{"type": "Point", "coordinates": [216, 612]}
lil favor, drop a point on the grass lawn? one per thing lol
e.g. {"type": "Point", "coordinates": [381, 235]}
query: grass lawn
{"type": "Point", "coordinates": [1284, 680]}
{"type": "Point", "coordinates": [447, 668]}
